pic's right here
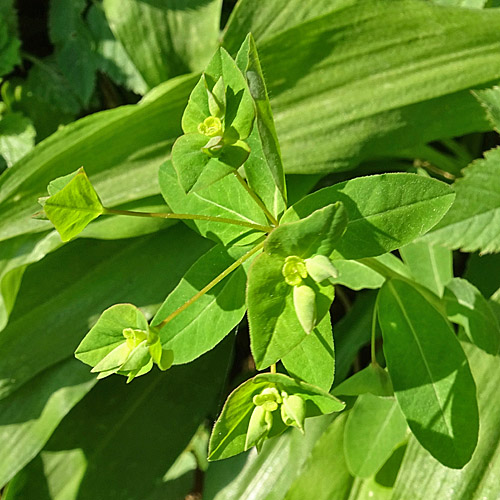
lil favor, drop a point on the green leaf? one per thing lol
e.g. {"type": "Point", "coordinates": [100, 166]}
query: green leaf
{"type": "Point", "coordinates": [356, 275]}
{"type": "Point", "coordinates": [384, 211]}
{"type": "Point", "coordinates": [74, 206]}
{"type": "Point", "coordinates": [229, 432]}
{"type": "Point", "coordinates": [17, 137]}
{"type": "Point", "coordinates": [274, 326]}
{"type": "Point", "coordinates": [240, 110]}
{"type": "Point", "coordinates": [467, 307]}
{"type": "Point", "coordinates": [119, 148]}
{"type": "Point", "coordinates": [316, 234]}
{"type": "Point", "coordinates": [111, 56]}
{"type": "Point", "coordinates": [421, 476]}
{"type": "Point", "coordinates": [61, 282]}
{"type": "Point", "coordinates": [336, 103]}
{"type": "Point", "coordinates": [149, 418]}
{"type": "Point", "coordinates": [430, 374]}
{"type": "Point", "coordinates": [31, 414]}
{"type": "Point", "coordinates": [154, 34]}
{"type": "Point", "coordinates": [107, 333]}
{"type": "Point", "coordinates": [264, 168]}
{"type": "Point", "coordinates": [371, 380]}
{"type": "Point", "coordinates": [472, 222]}
{"type": "Point", "coordinates": [375, 427]}
{"type": "Point", "coordinates": [282, 457]}
{"type": "Point", "coordinates": [430, 265]}
{"type": "Point", "coordinates": [208, 320]}
{"type": "Point", "coordinates": [198, 170]}
{"type": "Point", "coordinates": [313, 360]}
{"type": "Point", "coordinates": [226, 198]}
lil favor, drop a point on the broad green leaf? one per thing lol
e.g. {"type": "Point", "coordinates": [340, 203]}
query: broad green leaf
{"type": "Point", "coordinates": [355, 275]}
{"type": "Point", "coordinates": [375, 427]}
{"type": "Point", "coordinates": [196, 169]}
{"type": "Point", "coordinates": [74, 206]}
{"type": "Point", "coordinates": [111, 55]}
{"type": "Point", "coordinates": [17, 137]}
{"type": "Point", "coordinates": [107, 333]}
{"type": "Point", "coordinates": [430, 265]}
{"type": "Point", "coordinates": [316, 234]}
{"type": "Point", "coordinates": [430, 374]}
{"type": "Point", "coordinates": [282, 458]}
{"type": "Point", "coordinates": [468, 308]}
{"type": "Point", "coordinates": [313, 360]}
{"type": "Point", "coordinates": [229, 432]}
{"type": "Point", "coordinates": [472, 222]}
{"type": "Point", "coordinates": [421, 476]}
{"type": "Point", "coordinates": [124, 424]}
{"type": "Point", "coordinates": [119, 148]}
{"type": "Point", "coordinates": [74, 51]}
{"type": "Point", "coordinates": [31, 414]}
{"type": "Point", "coordinates": [83, 279]}
{"type": "Point", "coordinates": [17, 253]}
{"type": "Point", "coordinates": [208, 320]}
{"type": "Point", "coordinates": [384, 211]}
{"type": "Point", "coordinates": [326, 461]}
{"type": "Point", "coordinates": [274, 326]}
{"type": "Point", "coordinates": [481, 271]}
{"type": "Point", "coordinates": [334, 100]}
{"type": "Point", "coordinates": [371, 380]}
{"type": "Point", "coordinates": [165, 38]}
{"type": "Point", "coordinates": [264, 168]}
{"type": "Point", "coordinates": [226, 198]}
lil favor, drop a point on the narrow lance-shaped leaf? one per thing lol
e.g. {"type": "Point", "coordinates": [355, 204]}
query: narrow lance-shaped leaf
{"type": "Point", "coordinates": [430, 373]}
{"type": "Point", "coordinates": [264, 168]}
{"type": "Point", "coordinates": [72, 204]}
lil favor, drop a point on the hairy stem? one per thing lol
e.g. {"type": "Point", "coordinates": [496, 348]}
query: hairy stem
{"type": "Point", "coordinates": [208, 287]}
{"type": "Point", "coordinates": [259, 202]}
{"type": "Point", "coordinates": [223, 220]}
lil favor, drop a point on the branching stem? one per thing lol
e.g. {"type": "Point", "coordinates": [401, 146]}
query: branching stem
{"type": "Point", "coordinates": [259, 202]}
{"type": "Point", "coordinates": [208, 287]}
{"type": "Point", "coordinates": [223, 220]}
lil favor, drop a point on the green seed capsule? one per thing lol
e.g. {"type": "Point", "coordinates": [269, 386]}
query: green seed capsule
{"type": "Point", "coordinates": [304, 301]}
{"type": "Point", "coordinates": [293, 411]}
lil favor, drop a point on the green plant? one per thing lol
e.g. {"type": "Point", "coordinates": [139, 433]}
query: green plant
{"type": "Point", "coordinates": [248, 252]}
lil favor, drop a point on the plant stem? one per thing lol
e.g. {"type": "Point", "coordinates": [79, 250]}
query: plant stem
{"type": "Point", "coordinates": [223, 220]}
{"type": "Point", "coordinates": [208, 287]}
{"type": "Point", "coordinates": [272, 368]}
{"type": "Point", "coordinates": [259, 202]}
